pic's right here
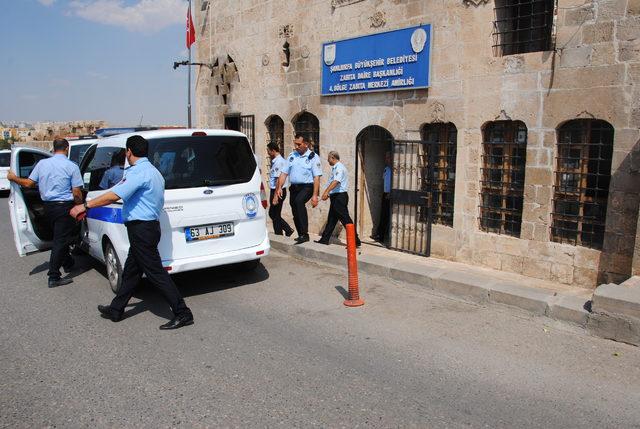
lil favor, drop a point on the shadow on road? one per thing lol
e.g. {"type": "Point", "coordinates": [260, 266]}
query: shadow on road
{"type": "Point", "coordinates": [191, 283]}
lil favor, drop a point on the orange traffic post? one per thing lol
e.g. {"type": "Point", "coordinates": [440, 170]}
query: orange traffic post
{"type": "Point", "coordinates": [352, 263]}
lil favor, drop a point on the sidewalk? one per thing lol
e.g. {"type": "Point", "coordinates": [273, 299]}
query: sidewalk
{"type": "Point", "coordinates": [483, 286]}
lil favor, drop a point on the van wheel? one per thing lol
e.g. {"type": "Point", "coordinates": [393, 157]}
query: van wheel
{"type": "Point", "coordinates": [114, 268]}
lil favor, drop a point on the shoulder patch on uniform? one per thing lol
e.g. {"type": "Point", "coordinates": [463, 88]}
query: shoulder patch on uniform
{"type": "Point", "coordinates": [311, 155]}
{"type": "Point", "coordinates": [291, 159]}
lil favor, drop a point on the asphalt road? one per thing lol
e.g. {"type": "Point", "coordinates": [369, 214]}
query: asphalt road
{"type": "Point", "coordinates": [276, 348]}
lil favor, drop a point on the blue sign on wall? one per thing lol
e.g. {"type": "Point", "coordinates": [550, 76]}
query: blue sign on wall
{"type": "Point", "coordinates": [390, 61]}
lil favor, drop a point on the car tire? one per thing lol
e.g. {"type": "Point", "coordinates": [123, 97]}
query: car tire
{"type": "Point", "coordinates": [113, 266]}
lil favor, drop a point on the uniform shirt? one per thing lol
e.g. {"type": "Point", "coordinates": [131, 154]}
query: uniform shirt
{"type": "Point", "coordinates": [386, 177]}
{"type": "Point", "coordinates": [303, 168]}
{"type": "Point", "coordinates": [278, 165]}
{"type": "Point", "coordinates": [112, 176]}
{"type": "Point", "coordinates": [339, 173]}
{"type": "Point", "coordinates": [55, 177]}
{"type": "Point", "coordinates": [142, 190]}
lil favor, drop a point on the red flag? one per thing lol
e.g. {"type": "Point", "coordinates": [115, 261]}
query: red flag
{"type": "Point", "coordinates": [191, 30]}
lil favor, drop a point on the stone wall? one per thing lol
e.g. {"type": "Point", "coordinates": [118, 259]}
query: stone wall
{"type": "Point", "coordinates": [593, 73]}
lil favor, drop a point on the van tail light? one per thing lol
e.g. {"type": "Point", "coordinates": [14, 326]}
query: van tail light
{"type": "Point", "coordinates": [263, 196]}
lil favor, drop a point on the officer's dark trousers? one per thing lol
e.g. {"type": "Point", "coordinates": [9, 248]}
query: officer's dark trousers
{"type": "Point", "coordinates": [338, 211]}
{"type": "Point", "coordinates": [299, 195]}
{"type": "Point", "coordinates": [275, 213]}
{"type": "Point", "coordinates": [144, 257]}
{"type": "Point", "coordinates": [63, 226]}
{"type": "Point", "coordinates": [383, 225]}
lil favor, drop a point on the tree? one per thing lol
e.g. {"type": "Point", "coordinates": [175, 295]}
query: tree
{"type": "Point", "coordinates": [5, 144]}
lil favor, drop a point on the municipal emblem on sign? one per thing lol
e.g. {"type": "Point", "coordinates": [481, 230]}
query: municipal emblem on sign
{"type": "Point", "coordinates": [418, 40]}
{"type": "Point", "coordinates": [329, 54]}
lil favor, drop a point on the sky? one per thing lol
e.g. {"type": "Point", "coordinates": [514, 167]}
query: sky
{"type": "Point", "coordinates": [111, 60]}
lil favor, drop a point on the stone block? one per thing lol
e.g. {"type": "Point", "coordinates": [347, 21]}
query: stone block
{"type": "Point", "coordinates": [603, 54]}
{"type": "Point", "coordinates": [533, 300]}
{"type": "Point", "coordinates": [578, 16]}
{"type": "Point", "coordinates": [590, 77]}
{"type": "Point", "coordinates": [417, 274]}
{"type": "Point", "coordinates": [539, 176]}
{"type": "Point", "coordinates": [511, 264]}
{"type": "Point", "coordinates": [613, 327]}
{"type": "Point", "coordinates": [470, 286]}
{"type": "Point", "coordinates": [633, 7]}
{"type": "Point", "coordinates": [562, 273]}
{"type": "Point", "coordinates": [538, 268]}
{"type": "Point", "coordinates": [617, 299]}
{"type": "Point", "coordinates": [628, 29]}
{"type": "Point", "coordinates": [597, 33]}
{"type": "Point", "coordinates": [611, 9]}
{"type": "Point", "coordinates": [629, 51]}
{"type": "Point", "coordinates": [585, 278]}
{"type": "Point", "coordinates": [575, 57]}
{"type": "Point", "coordinates": [569, 309]}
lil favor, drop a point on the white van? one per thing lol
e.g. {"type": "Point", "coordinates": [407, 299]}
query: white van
{"type": "Point", "coordinates": [78, 147]}
{"type": "Point", "coordinates": [214, 208]}
{"type": "Point", "coordinates": [5, 159]}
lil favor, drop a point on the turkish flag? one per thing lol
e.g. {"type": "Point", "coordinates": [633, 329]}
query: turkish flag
{"type": "Point", "coordinates": [191, 30]}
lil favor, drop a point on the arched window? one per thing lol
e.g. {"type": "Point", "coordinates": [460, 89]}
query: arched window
{"type": "Point", "coordinates": [503, 165]}
{"type": "Point", "coordinates": [307, 124]}
{"type": "Point", "coordinates": [275, 130]}
{"type": "Point", "coordinates": [583, 174]}
{"type": "Point", "coordinates": [444, 138]}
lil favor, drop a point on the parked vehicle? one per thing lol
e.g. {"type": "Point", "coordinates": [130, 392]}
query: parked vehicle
{"type": "Point", "coordinates": [5, 159]}
{"type": "Point", "coordinates": [214, 209]}
{"type": "Point", "coordinates": [78, 147]}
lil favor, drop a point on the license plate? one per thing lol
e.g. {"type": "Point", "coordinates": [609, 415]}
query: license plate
{"type": "Point", "coordinates": [208, 232]}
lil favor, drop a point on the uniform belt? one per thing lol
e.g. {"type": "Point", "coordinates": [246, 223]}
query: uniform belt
{"type": "Point", "coordinates": [58, 202]}
{"type": "Point", "coordinates": [302, 185]}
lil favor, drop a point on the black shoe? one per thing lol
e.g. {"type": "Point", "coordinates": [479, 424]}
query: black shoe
{"type": "Point", "coordinates": [358, 243]}
{"type": "Point", "coordinates": [321, 241]}
{"type": "Point", "coordinates": [53, 282]}
{"type": "Point", "coordinates": [68, 266]}
{"type": "Point", "coordinates": [184, 319]}
{"type": "Point", "coordinates": [288, 233]}
{"type": "Point", "coordinates": [302, 239]}
{"type": "Point", "coordinates": [109, 313]}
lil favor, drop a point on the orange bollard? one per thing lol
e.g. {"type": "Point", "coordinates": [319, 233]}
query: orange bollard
{"type": "Point", "coordinates": [354, 292]}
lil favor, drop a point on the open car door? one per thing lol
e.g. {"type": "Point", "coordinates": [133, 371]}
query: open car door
{"type": "Point", "coordinates": [31, 230]}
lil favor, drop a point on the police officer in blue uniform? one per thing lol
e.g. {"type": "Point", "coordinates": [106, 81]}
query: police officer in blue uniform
{"type": "Point", "coordinates": [60, 185]}
{"type": "Point", "coordinates": [304, 170]}
{"type": "Point", "coordinates": [114, 174]}
{"type": "Point", "coordinates": [385, 207]}
{"type": "Point", "coordinates": [278, 164]}
{"type": "Point", "coordinates": [336, 191]}
{"type": "Point", "coordinates": [142, 191]}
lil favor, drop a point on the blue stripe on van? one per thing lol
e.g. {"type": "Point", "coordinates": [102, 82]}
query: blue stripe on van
{"type": "Point", "coordinates": [106, 214]}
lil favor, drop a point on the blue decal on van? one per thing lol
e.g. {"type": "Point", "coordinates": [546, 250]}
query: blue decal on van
{"type": "Point", "coordinates": [106, 214]}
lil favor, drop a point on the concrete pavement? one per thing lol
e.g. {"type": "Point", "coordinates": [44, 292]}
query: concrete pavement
{"type": "Point", "coordinates": [276, 348]}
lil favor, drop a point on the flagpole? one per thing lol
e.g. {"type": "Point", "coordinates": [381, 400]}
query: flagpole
{"type": "Point", "coordinates": [189, 75]}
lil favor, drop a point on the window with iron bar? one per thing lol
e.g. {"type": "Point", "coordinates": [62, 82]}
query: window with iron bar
{"type": "Point", "coordinates": [275, 130]}
{"type": "Point", "coordinates": [523, 26]}
{"type": "Point", "coordinates": [503, 166]}
{"type": "Point", "coordinates": [583, 175]}
{"type": "Point", "coordinates": [441, 137]}
{"type": "Point", "coordinates": [308, 125]}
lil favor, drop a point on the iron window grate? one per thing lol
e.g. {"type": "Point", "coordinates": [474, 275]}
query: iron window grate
{"type": "Point", "coordinates": [504, 161]}
{"type": "Point", "coordinates": [583, 175]}
{"type": "Point", "coordinates": [522, 26]}
{"type": "Point", "coordinates": [442, 137]}
{"type": "Point", "coordinates": [308, 125]}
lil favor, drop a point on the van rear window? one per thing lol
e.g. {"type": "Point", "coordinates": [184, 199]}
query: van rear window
{"type": "Point", "coordinates": [5, 159]}
{"type": "Point", "coordinates": [194, 161]}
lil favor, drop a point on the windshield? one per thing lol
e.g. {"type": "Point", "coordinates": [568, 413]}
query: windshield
{"type": "Point", "coordinates": [194, 161]}
{"type": "Point", "coordinates": [5, 159]}
{"type": "Point", "coordinates": [76, 152]}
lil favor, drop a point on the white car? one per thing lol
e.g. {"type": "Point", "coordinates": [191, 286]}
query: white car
{"type": "Point", "coordinates": [78, 147]}
{"type": "Point", "coordinates": [5, 158]}
{"type": "Point", "coordinates": [214, 208]}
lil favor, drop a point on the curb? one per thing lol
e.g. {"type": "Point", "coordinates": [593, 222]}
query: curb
{"type": "Point", "coordinates": [470, 285]}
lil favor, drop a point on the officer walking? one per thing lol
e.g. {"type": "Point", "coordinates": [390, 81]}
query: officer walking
{"type": "Point", "coordinates": [60, 184]}
{"type": "Point", "coordinates": [278, 164]}
{"type": "Point", "coordinates": [336, 191]}
{"type": "Point", "coordinates": [304, 171]}
{"type": "Point", "coordinates": [142, 190]}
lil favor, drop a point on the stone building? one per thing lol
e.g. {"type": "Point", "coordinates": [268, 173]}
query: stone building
{"type": "Point", "coordinates": [526, 140]}
{"type": "Point", "coordinates": [49, 130]}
